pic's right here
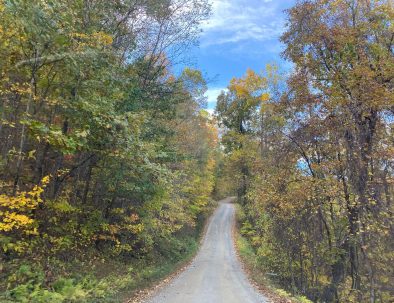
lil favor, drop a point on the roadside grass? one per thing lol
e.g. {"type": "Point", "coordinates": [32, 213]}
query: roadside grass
{"type": "Point", "coordinates": [107, 282]}
{"type": "Point", "coordinates": [91, 279]}
{"type": "Point", "coordinates": [256, 273]}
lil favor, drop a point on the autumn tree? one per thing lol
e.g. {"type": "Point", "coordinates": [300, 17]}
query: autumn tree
{"type": "Point", "coordinates": [97, 158]}
{"type": "Point", "coordinates": [319, 211]}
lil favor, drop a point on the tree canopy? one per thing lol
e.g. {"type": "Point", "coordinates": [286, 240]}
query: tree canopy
{"type": "Point", "coordinates": [313, 157]}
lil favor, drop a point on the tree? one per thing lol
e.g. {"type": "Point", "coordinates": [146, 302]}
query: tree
{"type": "Point", "coordinates": [88, 98]}
{"type": "Point", "coordinates": [318, 207]}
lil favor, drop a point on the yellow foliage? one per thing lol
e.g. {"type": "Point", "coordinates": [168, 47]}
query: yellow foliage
{"type": "Point", "coordinates": [12, 221]}
{"type": "Point", "coordinates": [251, 88]}
{"type": "Point", "coordinates": [15, 210]}
{"type": "Point", "coordinates": [97, 39]}
{"type": "Point", "coordinates": [102, 38]}
{"type": "Point", "coordinates": [265, 97]}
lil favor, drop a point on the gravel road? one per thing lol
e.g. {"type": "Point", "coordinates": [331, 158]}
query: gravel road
{"type": "Point", "coordinates": [215, 275]}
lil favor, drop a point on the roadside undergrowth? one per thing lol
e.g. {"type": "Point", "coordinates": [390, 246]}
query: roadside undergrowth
{"type": "Point", "coordinates": [92, 279]}
{"type": "Point", "coordinates": [259, 278]}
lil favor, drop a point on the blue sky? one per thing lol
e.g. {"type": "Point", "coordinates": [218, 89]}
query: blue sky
{"type": "Point", "coordinates": [240, 34]}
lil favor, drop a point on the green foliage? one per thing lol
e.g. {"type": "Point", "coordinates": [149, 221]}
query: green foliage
{"type": "Point", "coordinates": [89, 99]}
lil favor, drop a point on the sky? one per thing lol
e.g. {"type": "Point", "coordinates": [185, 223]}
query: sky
{"type": "Point", "coordinates": [240, 34]}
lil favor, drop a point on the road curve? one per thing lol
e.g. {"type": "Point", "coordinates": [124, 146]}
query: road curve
{"type": "Point", "coordinates": [215, 275]}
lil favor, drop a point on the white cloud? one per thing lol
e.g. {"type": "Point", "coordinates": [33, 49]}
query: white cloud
{"type": "Point", "coordinates": [233, 21]}
{"type": "Point", "coordinates": [211, 111]}
{"type": "Point", "coordinates": [212, 95]}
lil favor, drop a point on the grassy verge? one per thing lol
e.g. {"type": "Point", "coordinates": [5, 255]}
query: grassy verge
{"type": "Point", "coordinates": [256, 273]}
{"type": "Point", "coordinates": [92, 279]}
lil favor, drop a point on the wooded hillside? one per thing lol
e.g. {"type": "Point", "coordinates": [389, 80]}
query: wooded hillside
{"type": "Point", "coordinates": [105, 153]}
{"type": "Point", "coordinates": [313, 153]}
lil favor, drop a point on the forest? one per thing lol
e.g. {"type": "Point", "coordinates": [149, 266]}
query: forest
{"type": "Point", "coordinates": [105, 154]}
{"type": "Point", "coordinates": [313, 151]}
{"type": "Point", "coordinates": [110, 163]}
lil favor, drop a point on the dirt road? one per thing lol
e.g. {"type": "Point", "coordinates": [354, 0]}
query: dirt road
{"type": "Point", "coordinates": [215, 276]}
